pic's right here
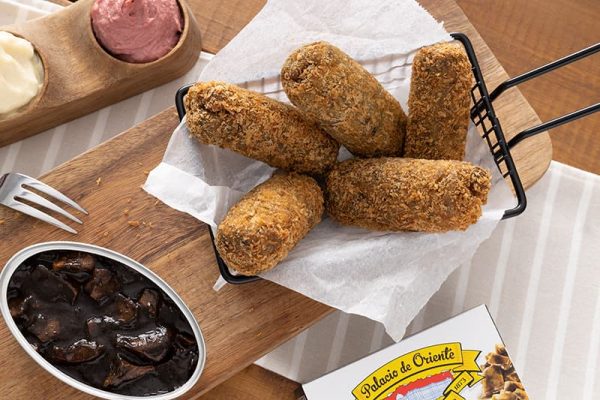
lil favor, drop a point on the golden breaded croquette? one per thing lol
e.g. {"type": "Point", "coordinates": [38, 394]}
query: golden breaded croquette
{"type": "Point", "coordinates": [401, 194]}
{"type": "Point", "coordinates": [346, 100]}
{"type": "Point", "coordinates": [439, 103]}
{"type": "Point", "coordinates": [258, 127]}
{"type": "Point", "coordinates": [261, 229]}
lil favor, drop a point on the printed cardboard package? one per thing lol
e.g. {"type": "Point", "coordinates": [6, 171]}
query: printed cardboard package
{"type": "Point", "coordinates": [462, 358]}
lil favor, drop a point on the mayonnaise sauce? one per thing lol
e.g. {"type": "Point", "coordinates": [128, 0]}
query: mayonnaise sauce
{"type": "Point", "coordinates": [21, 72]}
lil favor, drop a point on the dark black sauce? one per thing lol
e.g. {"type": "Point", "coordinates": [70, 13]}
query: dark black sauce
{"type": "Point", "coordinates": [102, 323]}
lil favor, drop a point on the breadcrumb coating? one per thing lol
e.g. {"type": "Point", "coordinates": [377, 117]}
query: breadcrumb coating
{"type": "Point", "coordinates": [261, 229]}
{"type": "Point", "coordinates": [401, 194]}
{"type": "Point", "coordinates": [258, 127]}
{"type": "Point", "coordinates": [500, 380]}
{"type": "Point", "coordinates": [439, 103]}
{"type": "Point", "coordinates": [346, 100]}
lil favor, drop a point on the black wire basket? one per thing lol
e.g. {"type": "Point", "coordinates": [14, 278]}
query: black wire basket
{"type": "Point", "coordinates": [483, 116]}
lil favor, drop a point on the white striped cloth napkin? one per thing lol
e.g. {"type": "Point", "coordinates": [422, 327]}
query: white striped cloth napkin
{"type": "Point", "coordinates": [537, 273]}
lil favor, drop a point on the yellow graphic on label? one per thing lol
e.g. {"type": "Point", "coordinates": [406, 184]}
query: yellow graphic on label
{"type": "Point", "coordinates": [448, 359]}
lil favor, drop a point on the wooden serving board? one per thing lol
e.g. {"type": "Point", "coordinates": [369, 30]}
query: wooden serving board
{"type": "Point", "coordinates": [81, 77]}
{"type": "Point", "coordinates": [240, 323]}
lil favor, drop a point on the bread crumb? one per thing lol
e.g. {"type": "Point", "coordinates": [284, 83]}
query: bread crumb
{"type": "Point", "coordinates": [105, 234]}
{"type": "Point", "coordinates": [1, 221]}
{"type": "Point", "coordinates": [138, 236]}
{"type": "Point", "coordinates": [98, 181]}
{"type": "Point", "coordinates": [140, 164]}
{"type": "Point", "coordinates": [146, 172]}
{"type": "Point", "coordinates": [156, 202]}
{"type": "Point", "coordinates": [129, 200]}
{"type": "Point", "coordinates": [135, 224]}
{"type": "Point", "coordinates": [126, 211]}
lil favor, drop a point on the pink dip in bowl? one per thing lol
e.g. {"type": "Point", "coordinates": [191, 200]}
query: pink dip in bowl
{"type": "Point", "coordinates": [137, 31]}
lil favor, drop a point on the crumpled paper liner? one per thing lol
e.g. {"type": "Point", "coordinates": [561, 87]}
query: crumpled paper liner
{"type": "Point", "coordinates": [387, 277]}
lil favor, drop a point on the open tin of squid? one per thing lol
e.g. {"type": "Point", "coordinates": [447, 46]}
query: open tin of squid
{"type": "Point", "coordinates": [101, 322]}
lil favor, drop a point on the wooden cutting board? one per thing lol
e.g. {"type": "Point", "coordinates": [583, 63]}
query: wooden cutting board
{"type": "Point", "coordinates": [240, 323]}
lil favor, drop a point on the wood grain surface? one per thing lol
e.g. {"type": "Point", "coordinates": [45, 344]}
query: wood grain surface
{"type": "Point", "coordinates": [240, 323]}
{"type": "Point", "coordinates": [526, 34]}
{"type": "Point", "coordinates": [81, 77]}
{"type": "Point", "coordinates": [254, 383]}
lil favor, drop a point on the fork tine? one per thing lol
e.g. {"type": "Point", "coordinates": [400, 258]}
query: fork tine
{"type": "Point", "coordinates": [35, 213]}
{"type": "Point", "coordinates": [39, 200]}
{"type": "Point", "coordinates": [42, 187]}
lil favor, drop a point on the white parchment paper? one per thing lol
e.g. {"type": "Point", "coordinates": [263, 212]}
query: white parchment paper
{"type": "Point", "coordinates": [387, 277]}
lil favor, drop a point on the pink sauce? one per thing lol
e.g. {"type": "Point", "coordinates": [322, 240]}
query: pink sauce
{"type": "Point", "coordinates": [137, 31]}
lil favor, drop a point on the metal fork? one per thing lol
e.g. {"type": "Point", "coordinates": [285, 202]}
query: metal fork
{"type": "Point", "coordinates": [12, 189]}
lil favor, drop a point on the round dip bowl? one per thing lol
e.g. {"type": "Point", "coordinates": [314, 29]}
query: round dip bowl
{"type": "Point", "coordinates": [32, 103]}
{"type": "Point", "coordinates": [187, 34]}
{"type": "Point", "coordinates": [12, 265]}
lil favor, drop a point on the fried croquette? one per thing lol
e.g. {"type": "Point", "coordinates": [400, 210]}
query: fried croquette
{"type": "Point", "coordinates": [346, 100]}
{"type": "Point", "coordinates": [439, 103]}
{"type": "Point", "coordinates": [258, 127]}
{"type": "Point", "coordinates": [400, 194]}
{"type": "Point", "coordinates": [261, 229]}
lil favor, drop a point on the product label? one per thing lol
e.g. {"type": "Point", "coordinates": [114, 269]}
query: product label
{"type": "Point", "coordinates": [424, 367]}
{"type": "Point", "coordinates": [462, 358]}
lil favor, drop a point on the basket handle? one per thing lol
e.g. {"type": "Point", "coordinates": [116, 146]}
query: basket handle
{"type": "Point", "coordinates": [509, 83]}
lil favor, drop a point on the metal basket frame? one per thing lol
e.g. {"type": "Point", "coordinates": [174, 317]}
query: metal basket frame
{"type": "Point", "coordinates": [483, 116]}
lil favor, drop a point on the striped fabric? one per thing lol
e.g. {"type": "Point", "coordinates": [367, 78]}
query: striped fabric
{"type": "Point", "coordinates": [538, 273]}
